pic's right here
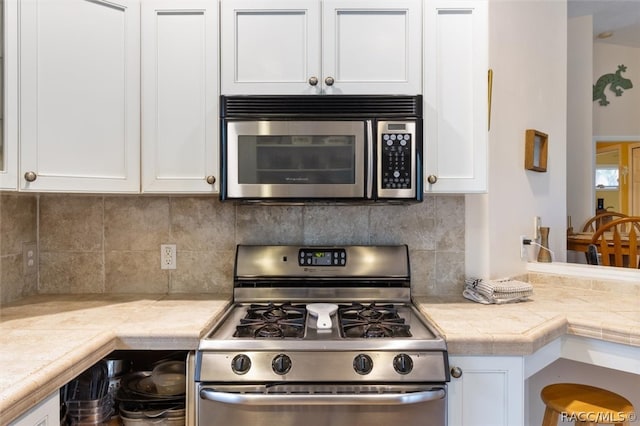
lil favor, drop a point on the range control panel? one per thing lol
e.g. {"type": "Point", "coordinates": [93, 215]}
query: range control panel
{"type": "Point", "coordinates": [322, 257]}
{"type": "Point", "coordinates": [396, 159]}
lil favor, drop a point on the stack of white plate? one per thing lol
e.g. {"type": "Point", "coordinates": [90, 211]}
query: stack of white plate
{"type": "Point", "coordinates": [169, 416]}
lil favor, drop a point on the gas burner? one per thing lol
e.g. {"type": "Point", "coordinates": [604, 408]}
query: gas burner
{"type": "Point", "coordinates": [371, 321]}
{"type": "Point", "coordinates": [272, 321]}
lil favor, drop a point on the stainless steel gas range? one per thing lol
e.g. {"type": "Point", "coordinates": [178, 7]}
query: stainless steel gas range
{"type": "Point", "coordinates": [321, 336]}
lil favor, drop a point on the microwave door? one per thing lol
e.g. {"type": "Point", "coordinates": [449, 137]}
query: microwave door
{"type": "Point", "coordinates": [296, 159]}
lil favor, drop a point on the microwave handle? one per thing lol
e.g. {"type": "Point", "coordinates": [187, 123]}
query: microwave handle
{"type": "Point", "coordinates": [370, 148]}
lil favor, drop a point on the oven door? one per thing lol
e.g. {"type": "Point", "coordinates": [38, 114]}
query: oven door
{"type": "Point", "coordinates": [322, 405]}
{"type": "Point", "coordinates": [296, 159]}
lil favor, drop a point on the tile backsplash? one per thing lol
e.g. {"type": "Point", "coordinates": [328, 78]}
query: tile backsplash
{"type": "Point", "coordinates": [18, 226]}
{"type": "Point", "coordinates": [111, 244]}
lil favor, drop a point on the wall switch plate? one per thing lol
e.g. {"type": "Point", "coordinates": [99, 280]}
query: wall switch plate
{"type": "Point", "coordinates": [536, 227]}
{"type": "Point", "coordinates": [29, 258]}
{"type": "Point", "coordinates": [167, 256]}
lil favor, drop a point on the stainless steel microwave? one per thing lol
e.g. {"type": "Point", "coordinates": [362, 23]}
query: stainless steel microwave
{"type": "Point", "coordinates": [335, 148]}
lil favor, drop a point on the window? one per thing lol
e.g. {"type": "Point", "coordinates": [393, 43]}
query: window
{"type": "Point", "coordinates": [607, 177]}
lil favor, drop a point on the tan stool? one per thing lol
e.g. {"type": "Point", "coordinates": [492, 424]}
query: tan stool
{"type": "Point", "coordinates": [586, 405]}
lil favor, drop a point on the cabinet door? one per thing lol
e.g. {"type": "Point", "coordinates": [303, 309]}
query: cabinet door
{"type": "Point", "coordinates": [372, 46]}
{"type": "Point", "coordinates": [179, 96]}
{"type": "Point", "coordinates": [8, 94]}
{"type": "Point", "coordinates": [270, 47]}
{"type": "Point", "coordinates": [46, 413]}
{"type": "Point", "coordinates": [80, 95]}
{"type": "Point", "coordinates": [490, 391]}
{"type": "Point", "coordinates": [455, 96]}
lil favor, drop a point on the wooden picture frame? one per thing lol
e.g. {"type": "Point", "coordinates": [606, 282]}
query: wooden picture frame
{"type": "Point", "coordinates": [535, 150]}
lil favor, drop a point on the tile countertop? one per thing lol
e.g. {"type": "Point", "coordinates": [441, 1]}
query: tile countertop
{"type": "Point", "coordinates": [45, 341]}
{"type": "Point", "coordinates": [555, 309]}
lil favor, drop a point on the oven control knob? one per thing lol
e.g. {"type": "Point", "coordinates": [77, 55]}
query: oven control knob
{"type": "Point", "coordinates": [363, 364]}
{"type": "Point", "coordinates": [240, 364]}
{"type": "Point", "coordinates": [281, 364]}
{"type": "Point", "coordinates": [403, 363]}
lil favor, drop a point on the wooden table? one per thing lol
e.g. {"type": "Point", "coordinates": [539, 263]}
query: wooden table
{"type": "Point", "coordinates": [581, 240]}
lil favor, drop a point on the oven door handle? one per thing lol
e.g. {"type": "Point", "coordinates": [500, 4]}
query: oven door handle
{"type": "Point", "coordinates": [322, 399]}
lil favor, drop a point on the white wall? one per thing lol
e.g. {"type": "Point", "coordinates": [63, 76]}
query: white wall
{"type": "Point", "coordinates": [528, 54]}
{"type": "Point", "coordinates": [620, 117]}
{"type": "Point", "coordinates": [580, 155]}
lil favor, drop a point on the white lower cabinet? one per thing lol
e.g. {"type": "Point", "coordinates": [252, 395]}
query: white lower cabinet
{"type": "Point", "coordinates": [179, 96]}
{"type": "Point", "coordinates": [79, 112]}
{"type": "Point", "coordinates": [489, 391]}
{"type": "Point", "coordinates": [47, 413]}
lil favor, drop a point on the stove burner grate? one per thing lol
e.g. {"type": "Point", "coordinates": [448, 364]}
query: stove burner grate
{"type": "Point", "coordinates": [371, 321]}
{"type": "Point", "coordinates": [273, 321]}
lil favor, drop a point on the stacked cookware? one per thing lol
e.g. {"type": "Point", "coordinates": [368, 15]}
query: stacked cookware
{"type": "Point", "coordinates": [89, 399]}
{"type": "Point", "coordinates": [86, 399]}
{"type": "Point", "coordinates": [155, 397]}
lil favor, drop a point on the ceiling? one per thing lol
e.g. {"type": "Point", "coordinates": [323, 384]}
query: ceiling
{"type": "Point", "coordinates": [622, 17]}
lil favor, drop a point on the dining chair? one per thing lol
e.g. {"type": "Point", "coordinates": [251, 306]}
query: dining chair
{"type": "Point", "coordinates": [617, 242]}
{"type": "Point", "coordinates": [600, 219]}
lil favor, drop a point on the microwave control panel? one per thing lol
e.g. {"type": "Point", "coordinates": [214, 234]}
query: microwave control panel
{"type": "Point", "coordinates": [396, 165]}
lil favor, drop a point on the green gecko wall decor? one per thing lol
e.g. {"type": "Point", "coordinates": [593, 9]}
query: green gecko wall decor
{"type": "Point", "coordinates": [616, 81]}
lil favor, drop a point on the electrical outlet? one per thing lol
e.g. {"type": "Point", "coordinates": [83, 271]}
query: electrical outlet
{"type": "Point", "coordinates": [167, 256]}
{"type": "Point", "coordinates": [523, 247]}
{"type": "Point", "coordinates": [536, 227]}
{"type": "Point", "coordinates": [29, 258]}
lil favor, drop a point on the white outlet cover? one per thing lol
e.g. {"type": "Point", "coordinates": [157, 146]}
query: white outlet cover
{"type": "Point", "coordinates": [29, 258]}
{"type": "Point", "coordinates": [168, 256]}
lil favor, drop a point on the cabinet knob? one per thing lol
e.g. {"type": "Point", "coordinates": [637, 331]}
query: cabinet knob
{"type": "Point", "coordinates": [313, 81]}
{"type": "Point", "coordinates": [329, 81]}
{"type": "Point", "coordinates": [432, 179]}
{"type": "Point", "coordinates": [30, 176]}
{"type": "Point", "coordinates": [456, 372]}
{"type": "Point", "coordinates": [211, 180]}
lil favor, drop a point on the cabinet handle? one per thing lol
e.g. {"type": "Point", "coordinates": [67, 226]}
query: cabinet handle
{"type": "Point", "coordinates": [329, 81]}
{"type": "Point", "coordinates": [432, 179]}
{"type": "Point", "coordinates": [456, 372]}
{"type": "Point", "coordinates": [211, 180]}
{"type": "Point", "coordinates": [30, 176]}
{"type": "Point", "coordinates": [313, 81]}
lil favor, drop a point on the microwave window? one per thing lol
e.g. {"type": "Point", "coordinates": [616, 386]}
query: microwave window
{"type": "Point", "coordinates": [296, 159]}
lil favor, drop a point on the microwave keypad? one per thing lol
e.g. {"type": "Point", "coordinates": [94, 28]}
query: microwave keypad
{"type": "Point", "coordinates": [396, 160]}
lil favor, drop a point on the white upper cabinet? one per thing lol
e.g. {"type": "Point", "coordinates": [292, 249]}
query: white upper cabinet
{"type": "Point", "coordinates": [372, 46]}
{"type": "Point", "coordinates": [8, 95]}
{"type": "Point", "coordinates": [270, 47]}
{"type": "Point", "coordinates": [321, 47]}
{"type": "Point", "coordinates": [79, 95]}
{"type": "Point", "coordinates": [456, 96]}
{"type": "Point", "coordinates": [179, 96]}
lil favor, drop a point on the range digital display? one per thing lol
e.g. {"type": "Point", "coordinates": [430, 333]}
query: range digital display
{"type": "Point", "coordinates": [322, 257]}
